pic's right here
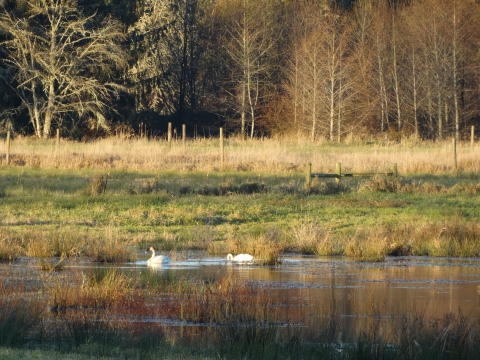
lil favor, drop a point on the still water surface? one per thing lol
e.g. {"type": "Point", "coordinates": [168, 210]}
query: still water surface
{"type": "Point", "coordinates": [316, 287]}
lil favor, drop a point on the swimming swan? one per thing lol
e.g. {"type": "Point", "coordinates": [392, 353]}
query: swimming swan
{"type": "Point", "coordinates": [159, 259]}
{"type": "Point", "coordinates": [240, 258]}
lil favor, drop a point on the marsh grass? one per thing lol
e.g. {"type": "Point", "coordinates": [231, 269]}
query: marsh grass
{"type": "Point", "coordinates": [105, 288]}
{"type": "Point", "coordinates": [52, 264]}
{"type": "Point", "coordinates": [87, 310]}
{"type": "Point", "coordinates": [365, 247]}
{"type": "Point", "coordinates": [9, 248]}
{"type": "Point", "coordinates": [310, 238]}
{"type": "Point", "coordinates": [326, 188]}
{"type": "Point", "coordinates": [100, 289]}
{"type": "Point", "coordinates": [58, 242]}
{"type": "Point", "coordinates": [452, 238]}
{"type": "Point", "coordinates": [387, 184]}
{"type": "Point", "coordinates": [243, 323]}
{"type": "Point", "coordinates": [110, 248]}
{"type": "Point", "coordinates": [266, 247]}
{"type": "Point", "coordinates": [19, 318]}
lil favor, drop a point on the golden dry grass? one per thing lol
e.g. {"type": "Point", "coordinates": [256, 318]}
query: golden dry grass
{"type": "Point", "coordinates": [266, 155]}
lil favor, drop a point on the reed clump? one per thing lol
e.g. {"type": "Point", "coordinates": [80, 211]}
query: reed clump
{"type": "Point", "coordinates": [102, 288]}
{"type": "Point", "coordinates": [266, 247]}
{"type": "Point", "coordinates": [98, 185]}
{"type": "Point", "coordinates": [229, 188]}
{"type": "Point", "coordinates": [453, 238]}
{"type": "Point", "coordinates": [448, 238]}
{"type": "Point", "coordinates": [105, 288]}
{"type": "Point", "coordinates": [10, 249]}
{"type": "Point", "coordinates": [19, 319]}
{"type": "Point", "coordinates": [367, 245]}
{"type": "Point", "coordinates": [224, 300]}
{"type": "Point", "coordinates": [310, 238]}
{"type": "Point", "coordinates": [110, 248]}
{"type": "Point", "coordinates": [57, 242]}
{"type": "Point", "coordinates": [382, 183]}
{"type": "Point", "coordinates": [52, 264]}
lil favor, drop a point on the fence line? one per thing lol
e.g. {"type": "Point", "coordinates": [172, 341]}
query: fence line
{"type": "Point", "coordinates": [338, 175]}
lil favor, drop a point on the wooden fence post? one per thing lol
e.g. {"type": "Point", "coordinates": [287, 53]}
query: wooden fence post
{"type": "Point", "coordinates": [472, 137]}
{"type": "Point", "coordinates": [184, 136]}
{"type": "Point", "coordinates": [57, 142]}
{"type": "Point", "coordinates": [308, 177]}
{"type": "Point", "coordinates": [169, 135]}
{"type": "Point", "coordinates": [395, 171]}
{"type": "Point", "coordinates": [339, 173]}
{"type": "Point", "coordinates": [8, 147]}
{"type": "Point", "coordinates": [222, 152]}
{"type": "Point", "coordinates": [455, 152]}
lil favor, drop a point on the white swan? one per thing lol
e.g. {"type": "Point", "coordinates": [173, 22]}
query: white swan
{"type": "Point", "coordinates": [159, 259]}
{"type": "Point", "coordinates": [240, 258]}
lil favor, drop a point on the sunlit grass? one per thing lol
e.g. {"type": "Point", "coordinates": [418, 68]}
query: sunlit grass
{"type": "Point", "coordinates": [109, 198]}
{"type": "Point", "coordinates": [112, 226]}
{"type": "Point", "coordinates": [284, 155]}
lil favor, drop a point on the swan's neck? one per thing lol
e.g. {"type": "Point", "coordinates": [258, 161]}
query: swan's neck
{"type": "Point", "coordinates": [153, 254]}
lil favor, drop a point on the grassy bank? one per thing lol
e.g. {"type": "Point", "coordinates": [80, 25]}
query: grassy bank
{"type": "Point", "coordinates": [124, 196]}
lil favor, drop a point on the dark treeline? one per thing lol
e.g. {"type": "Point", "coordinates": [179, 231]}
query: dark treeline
{"type": "Point", "coordinates": [319, 68]}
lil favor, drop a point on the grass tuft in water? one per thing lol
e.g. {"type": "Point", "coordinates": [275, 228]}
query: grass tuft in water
{"type": "Point", "coordinates": [18, 320]}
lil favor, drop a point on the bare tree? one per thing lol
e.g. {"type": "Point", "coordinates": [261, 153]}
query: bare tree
{"type": "Point", "coordinates": [380, 42]}
{"type": "Point", "coordinates": [335, 46]}
{"type": "Point", "coordinates": [300, 72]}
{"type": "Point", "coordinates": [61, 62]}
{"type": "Point", "coordinates": [365, 97]}
{"type": "Point", "coordinates": [249, 40]}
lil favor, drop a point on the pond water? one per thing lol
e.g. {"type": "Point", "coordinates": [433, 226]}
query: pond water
{"type": "Point", "coordinates": [316, 287]}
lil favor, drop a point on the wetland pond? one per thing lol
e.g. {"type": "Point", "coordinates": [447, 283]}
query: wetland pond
{"type": "Point", "coordinates": [308, 290]}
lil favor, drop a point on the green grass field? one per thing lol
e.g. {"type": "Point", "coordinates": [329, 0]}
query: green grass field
{"type": "Point", "coordinates": [49, 212]}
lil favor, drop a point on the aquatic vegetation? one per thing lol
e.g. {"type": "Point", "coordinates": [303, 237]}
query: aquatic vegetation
{"type": "Point", "coordinates": [311, 238]}
{"type": "Point", "coordinates": [110, 248]}
{"type": "Point", "coordinates": [9, 248]}
{"type": "Point", "coordinates": [19, 319]}
{"type": "Point", "coordinates": [235, 319]}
